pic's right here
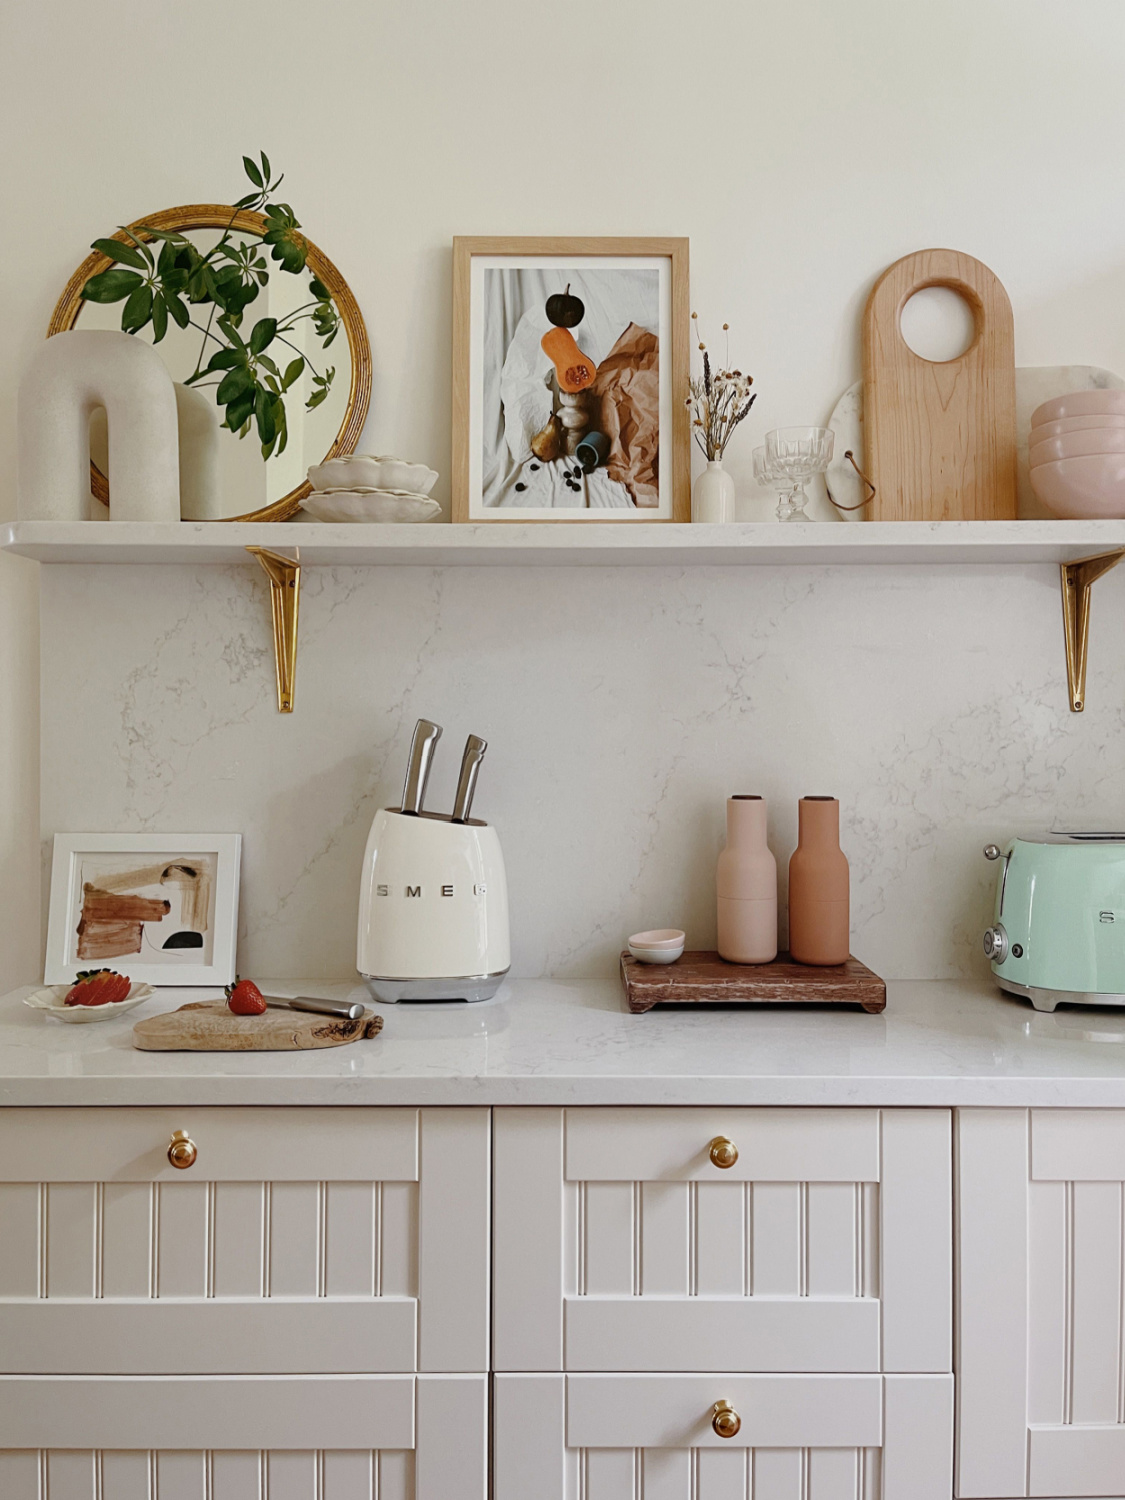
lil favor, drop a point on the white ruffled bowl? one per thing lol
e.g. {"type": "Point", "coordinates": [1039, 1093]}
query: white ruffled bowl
{"type": "Point", "coordinates": [371, 471]}
{"type": "Point", "coordinates": [50, 999]}
{"type": "Point", "coordinates": [384, 506]}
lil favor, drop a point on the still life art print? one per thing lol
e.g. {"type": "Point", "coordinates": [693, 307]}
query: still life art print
{"type": "Point", "coordinates": [570, 357]}
{"type": "Point", "coordinates": [160, 907]}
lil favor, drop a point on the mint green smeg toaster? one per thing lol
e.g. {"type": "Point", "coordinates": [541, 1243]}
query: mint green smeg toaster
{"type": "Point", "coordinates": [1058, 933]}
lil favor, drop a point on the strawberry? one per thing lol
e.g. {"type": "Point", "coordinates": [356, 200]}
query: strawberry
{"type": "Point", "coordinates": [98, 987]}
{"type": "Point", "coordinates": [245, 998]}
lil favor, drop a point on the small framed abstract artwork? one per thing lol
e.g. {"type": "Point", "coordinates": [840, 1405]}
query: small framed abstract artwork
{"type": "Point", "coordinates": [570, 380]}
{"type": "Point", "coordinates": [160, 907]}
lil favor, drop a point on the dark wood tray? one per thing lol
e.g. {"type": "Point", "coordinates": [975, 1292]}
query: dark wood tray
{"type": "Point", "coordinates": [705, 978]}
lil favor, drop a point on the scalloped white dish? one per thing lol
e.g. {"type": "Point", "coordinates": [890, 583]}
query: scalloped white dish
{"type": "Point", "coordinates": [373, 471]}
{"type": "Point", "coordinates": [50, 999]}
{"type": "Point", "coordinates": [386, 506]}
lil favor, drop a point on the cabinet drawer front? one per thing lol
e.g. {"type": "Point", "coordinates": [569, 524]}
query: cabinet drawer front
{"type": "Point", "coordinates": [332, 1438]}
{"type": "Point", "coordinates": [671, 1145]}
{"type": "Point", "coordinates": [613, 1437]}
{"type": "Point", "coordinates": [235, 1145]}
{"type": "Point", "coordinates": [311, 1266]}
{"type": "Point", "coordinates": [675, 1411]}
{"type": "Point", "coordinates": [689, 1266]}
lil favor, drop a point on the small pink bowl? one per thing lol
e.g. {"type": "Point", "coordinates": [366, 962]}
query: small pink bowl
{"type": "Point", "coordinates": [1080, 404]}
{"type": "Point", "coordinates": [659, 937]}
{"type": "Point", "coordinates": [662, 945]}
{"type": "Point", "coordinates": [1077, 445]}
{"type": "Point", "coordinates": [1083, 489]}
{"type": "Point", "coordinates": [1074, 424]}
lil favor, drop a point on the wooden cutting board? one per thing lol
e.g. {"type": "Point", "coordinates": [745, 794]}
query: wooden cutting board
{"type": "Point", "coordinates": [940, 438]}
{"type": "Point", "coordinates": [209, 1026]}
{"type": "Point", "coordinates": [705, 978]}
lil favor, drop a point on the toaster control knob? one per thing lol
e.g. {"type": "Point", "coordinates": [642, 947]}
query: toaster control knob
{"type": "Point", "coordinates": [996, 944]}
{"type": "Point", "coordinates": [991, 851]}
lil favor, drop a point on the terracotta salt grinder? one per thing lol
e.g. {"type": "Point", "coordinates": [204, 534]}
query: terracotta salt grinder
{"type": "Point", "coordinates": [746, 886]}
{"type": "Point", "coordinates": [819, 919]}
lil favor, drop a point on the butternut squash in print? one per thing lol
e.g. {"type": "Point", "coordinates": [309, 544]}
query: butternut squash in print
{"type": "Point", "coordinates": [574, 369]}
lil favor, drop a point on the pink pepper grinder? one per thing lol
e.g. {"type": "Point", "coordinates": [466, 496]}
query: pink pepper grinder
{"type": "Point", "coordinates": [819, 913]}
{"type": "Point", "coordinates": [746, 886]}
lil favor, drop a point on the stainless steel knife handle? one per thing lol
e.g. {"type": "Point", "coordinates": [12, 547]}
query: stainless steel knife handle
{"type": "Point", "coordinates": [422, 746]}
{"type": "Point", "coordinates": [339, 1008]}
{"type": "Point", "coordinates": [467, 780]}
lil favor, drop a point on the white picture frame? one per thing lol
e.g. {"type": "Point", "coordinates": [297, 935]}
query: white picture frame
{"type": "Point", "coordinates": [198, 889]}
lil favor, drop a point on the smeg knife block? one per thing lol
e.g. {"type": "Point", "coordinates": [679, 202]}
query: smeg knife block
{"type": "Point", "coordinates": [433, 904]}
{"type": "Point", "coordinates": [433, 909]}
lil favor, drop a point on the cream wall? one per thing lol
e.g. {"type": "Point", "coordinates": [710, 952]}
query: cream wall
{"type": "Point", "coordinates": [802, 145]}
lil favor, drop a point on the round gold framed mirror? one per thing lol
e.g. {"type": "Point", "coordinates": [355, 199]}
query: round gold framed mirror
{"type": "Point", "coordinates": [324, 420]}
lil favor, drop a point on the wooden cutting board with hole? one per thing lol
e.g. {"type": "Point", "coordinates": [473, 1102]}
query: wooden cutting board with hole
{"type": "Point", "coordinates": [209, 1026]}
{"type": "Point", "coordinates": [940, 438]}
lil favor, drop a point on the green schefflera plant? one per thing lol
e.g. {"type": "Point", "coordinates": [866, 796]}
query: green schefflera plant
{"type": "Point", "coordinates": [245, 365]}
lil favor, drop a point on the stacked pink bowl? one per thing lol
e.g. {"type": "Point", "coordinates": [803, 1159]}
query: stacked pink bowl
{"type": "Point", "coordinates": [1076, 449]}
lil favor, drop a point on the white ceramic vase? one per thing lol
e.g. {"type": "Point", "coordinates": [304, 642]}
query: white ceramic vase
{"type": "Point", "coordinates": [69, 377]}
{"type": "Point", "coordinates": [712, 495]}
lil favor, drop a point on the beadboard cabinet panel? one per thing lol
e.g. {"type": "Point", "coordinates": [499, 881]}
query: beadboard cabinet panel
{"type": "Point", "coordinates": [1042, 1259]}
{"type": "Point", "coordinates": [373, 1263]}
{"type": "Point", "coordinates": [61, 1474]}
{"type": "Point", "coordinates": [621, 1246]}
{"type": "Point", "coordinates": [802, 1437]}
{"type": "Point", "coordinates": [383, 1438]}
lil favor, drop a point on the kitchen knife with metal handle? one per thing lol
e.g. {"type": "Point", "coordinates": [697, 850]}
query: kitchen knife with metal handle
{"type": "Point", "coordinates": [422, 746]}
{"type": "Point", "coordinates": [341, 1009]}
{"type": "Point", "coordinates": [467, 781]}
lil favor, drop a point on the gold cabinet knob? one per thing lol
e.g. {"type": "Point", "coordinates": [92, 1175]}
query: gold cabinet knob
{"type": "Point", "coordinates": [725, 1420]}
{"type": "Point", "coordinates": [182, 1152]}
{"type": "Point", "coordinates": [723, 1153]}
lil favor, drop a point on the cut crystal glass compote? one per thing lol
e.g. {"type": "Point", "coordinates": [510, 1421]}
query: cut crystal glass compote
{"type": "Point", "coordinates": [771, 478]}
{"type": "Point", "coordinates": [797, 453]}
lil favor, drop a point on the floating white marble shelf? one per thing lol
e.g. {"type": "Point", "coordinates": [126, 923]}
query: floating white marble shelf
{"type": "Point", "coordinates": [562, 544]}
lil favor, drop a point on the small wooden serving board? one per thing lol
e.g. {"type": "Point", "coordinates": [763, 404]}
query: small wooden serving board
{"type": "Point", "coordinates": [209, 1026]}
{"type": "Point", "coordinates": [940, 443]}
{"type": "Point", "coordinates": [704, 978]}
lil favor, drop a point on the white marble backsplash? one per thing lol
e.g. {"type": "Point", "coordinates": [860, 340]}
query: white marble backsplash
{"type": "Point", "coordinates": [621, 706]}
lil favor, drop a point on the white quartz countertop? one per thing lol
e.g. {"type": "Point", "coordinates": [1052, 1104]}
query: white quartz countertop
{"type": "Point", "coordinates": [556, 1042]}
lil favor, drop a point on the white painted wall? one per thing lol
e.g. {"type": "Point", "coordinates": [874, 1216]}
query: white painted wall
{"type": "Point", "coordinates": [802, 144]}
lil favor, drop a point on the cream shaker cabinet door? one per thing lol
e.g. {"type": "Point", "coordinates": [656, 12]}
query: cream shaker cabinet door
{"type": "Point", "coordinates": [389, 1437]}
{"type": "Point", "coordinates": [307, 1240]}
{"type": "Point", "coordinates": [797, 1437]}
{"type": "Point", "coordinates": [633, 1239]}
{"type": "Point", "coordinates": [1041, 1390]}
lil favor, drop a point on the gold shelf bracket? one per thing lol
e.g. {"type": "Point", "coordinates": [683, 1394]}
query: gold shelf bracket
{"type": "Point", "coordinates": [1078, 578]}
{"type": "Point", "coordinates": [284, 574]}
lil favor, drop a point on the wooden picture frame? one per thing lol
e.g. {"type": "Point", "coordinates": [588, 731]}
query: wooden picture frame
{"type": "Point", "coordinates": [645, 482]}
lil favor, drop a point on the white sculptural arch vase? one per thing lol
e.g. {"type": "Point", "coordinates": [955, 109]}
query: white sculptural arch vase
{"type": "Point", "coordinates": [71, 376]}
